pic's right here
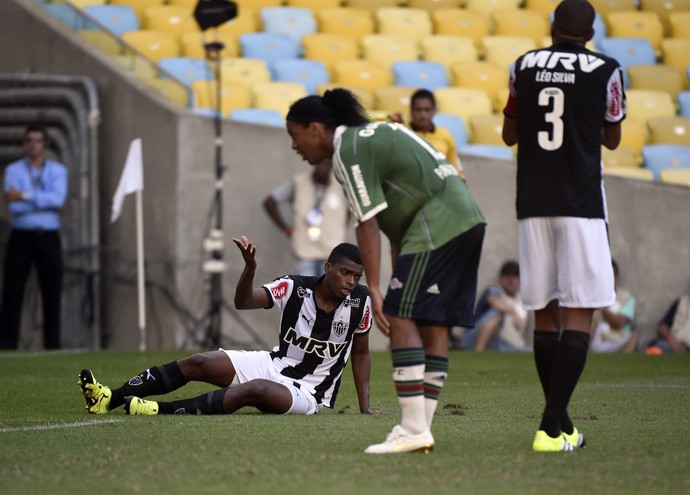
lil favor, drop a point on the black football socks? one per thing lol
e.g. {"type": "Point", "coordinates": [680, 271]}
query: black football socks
{"type": "Point", "coordinates": [157, 380]}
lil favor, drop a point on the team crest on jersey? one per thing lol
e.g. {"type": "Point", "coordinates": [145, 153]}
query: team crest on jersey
{"type": "Point", "coordinates": [351, 302]}
{"type": "Point", "coordinates": [340, 327]}
{"type": "Point", "coordinates": [280, 290]}
{"type": "Point", "coordinates": [302, 292]}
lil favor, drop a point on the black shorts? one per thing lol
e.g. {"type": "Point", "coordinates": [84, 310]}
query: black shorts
{"type": "Point", "coordinates": [438, 287]}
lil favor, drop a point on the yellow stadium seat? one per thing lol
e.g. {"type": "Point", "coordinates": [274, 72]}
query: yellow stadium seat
{"type": "Point", "coordinates": [314, 5]}
{"type": "Point", "coordinates": [543, 6]}
{"type": "Point", "coordinates": [189, 4]}
{"type": "Point", "coordinates": [680, 177]}
{"type": "Point", "coordinates": [435, 4]}
{"type": "Point", "coordinates": [393, 99]}
{"type": "Point", "coordinates": [86, 3]}
{"type": "Point", "coordinates": [487, 129]}
{"type": "Point", "coordinates": [680, 24]}
{"type": "Point", "coordinates": [169, 19]}
{"type": "Point", "coordinates": [669, 130]}
{"type": "Point", "coordinates": [644, 104]}
{"type": "Point", "coordinates": [504, 50]}
{"type": "Point", "coordinates": [192, 44]}
{"type": "Point", "coordinates": [365, 73]}
{"type": "Point", "coordinates": [636, 25]}
{"type": "Point", "coordinates": [448, 49]}
{"type": "Point", "coordinates": [371, 4]}
{"type": "Point", "coordinates": [172, 90]}
{"type": "Point", "coordinates": [245, 22]}
{"type": "Point", "coordinates": [138, 5]}
{"type": "Point", "coordinates": [257, 5]}
{"type": "Point", "coordinates": [232, 96]}
{"type": "Point", "coordinates": [153, 44]}
{"type": "Point", "coordinates": [634, 136]}
{"type": "Point", "coordinates": [630, 173]}
{"type": "Point", "coordinates": [656, 77]}
{"type": "Point", "coordinates": [482, 75]}
{"type": "Point", "coordinates": [278, 95]}
{"type": "Point", "coordinates": [246, 71]}
{"type": "Point", "coordinates": [487, 7]}
{"type": "Point", "coordinates": [142, 67]}
{"type": "Point", "coordinates": [107, 42]}
{"type": "Point", "coordinates": [346, 21]}
{"type": "Point", "coordinates": [664, 9]}
{"type": "Point", "coordinates": [621, 157]}
{"type": "Point", "coordinates": [363, 94]}
{"type": "Point", "coordinates": [676, 53]}
{"type": "Point", "coordinates": [462, 22]}
{"type": "Point", "coordinates": [604, 7]}
{"type": "Point", "coordinates": [329, 48]}
{"type": "Point", "coordinates": [386, 49]}
{"type": "Point", "coordinates": [521, 22]}
{"type": "Point", "coordinates": [404, 21]}
{"type": "Point", "coordinates": [463, 102]}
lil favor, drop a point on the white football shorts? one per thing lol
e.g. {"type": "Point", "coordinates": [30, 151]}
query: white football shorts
{"type": "Point", "coordinates": [250, 365]}
{"type": "Point", "coordinates": [567, 259]}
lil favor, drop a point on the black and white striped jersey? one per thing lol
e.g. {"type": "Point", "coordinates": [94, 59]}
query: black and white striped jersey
{"type": "Point", "coordinates": [314, 345]}
{"type": "Point", "coordinates": [562, 97]}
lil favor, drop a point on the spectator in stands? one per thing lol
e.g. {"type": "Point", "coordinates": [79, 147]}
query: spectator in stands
{"type": "Point", "coordinates": [319, 216]}
{"type": "Point", "coordinates": [501, 319]}
{"type": "Point", "coordinates": [613, 326]}
{"type": "Point", "coordinates": [35, 192]}
{"type": "Point", "coordinates": [422, 111]}
{"type": "Point", "coordinates": [673, 333]}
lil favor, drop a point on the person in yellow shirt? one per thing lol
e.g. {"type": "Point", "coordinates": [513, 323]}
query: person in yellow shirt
{"type": "Point", "coordinates": [422, 111]}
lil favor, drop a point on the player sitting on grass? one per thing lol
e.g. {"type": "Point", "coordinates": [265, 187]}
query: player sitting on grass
{"type": "Point", "coordinates": [322, 321]}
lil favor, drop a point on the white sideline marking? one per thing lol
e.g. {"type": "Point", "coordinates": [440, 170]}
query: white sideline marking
{"type": "Point", "coordinates": [57, 426]}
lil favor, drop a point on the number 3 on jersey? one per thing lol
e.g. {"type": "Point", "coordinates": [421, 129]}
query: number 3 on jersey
{"type": "Point", "coordinates": [552, 97]}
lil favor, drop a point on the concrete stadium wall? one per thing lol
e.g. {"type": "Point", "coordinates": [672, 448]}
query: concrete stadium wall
{"type": "Point", "coordinates": [650, 223]}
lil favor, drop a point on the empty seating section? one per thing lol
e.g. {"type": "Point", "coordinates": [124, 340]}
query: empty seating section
{"type": "Point", "coordinates": [383, 50]}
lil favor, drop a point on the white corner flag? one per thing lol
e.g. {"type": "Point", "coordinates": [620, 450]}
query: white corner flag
{"type": "Point", "coordinates": [132, 180]}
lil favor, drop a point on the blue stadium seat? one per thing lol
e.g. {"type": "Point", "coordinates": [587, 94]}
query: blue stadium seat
{"type": "Point", "coordinates": [420, 74]}
{"type": "Point", "coordinates": [117, 19]}
{"type": "Point", "coordinates": [66, 13]}
{"type": "Point", "coordinates": [629, 51]}
{"type": "Point", "coordinates": [269, 47]}
{"type": "Point", "coordinates": [293, 22]}
{"type": "Point", "coordinates": [488, 151]}
{"type": "Point", "coordinates": [455, 125]}
{"type": "Point", "coordinates": [311, 73]}
{"type": "Point", "coordinates": [186, 69]}
{"type": "Point", "coordinates": [658, 157]}
{"type": "Point", "coordinates": [261, 116]}
{"type": "Point", "coordinates": [684, 103]}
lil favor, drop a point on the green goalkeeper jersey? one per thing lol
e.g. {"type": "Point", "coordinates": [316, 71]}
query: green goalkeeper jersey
{"type": "Point", "coordinates": [390, 172]}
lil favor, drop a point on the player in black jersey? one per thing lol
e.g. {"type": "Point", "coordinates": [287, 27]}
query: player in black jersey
{"type": "Point", "coordinates": [323, 321]}
{"type": "Point", "coordinates": [565, 103]}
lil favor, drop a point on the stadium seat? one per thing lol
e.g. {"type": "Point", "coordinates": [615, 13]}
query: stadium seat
{"type": "Point", "coordinates": [404, 21]}
{"type": "Point", "coordinates": [393, 99]}
{"type": "Point", "coordinates": [604, 7]}
{"type": "Point", "coordinates": [141, 66]}
{"type": "Point", "coordinates": [420, 74]}
{"type": "Point", "coordinates": [330, 48]}
{"type": "Point", "coordinates": [492, 151]}
{"type": "Point", "coordinates": [246, 22]}
{"type": "Point", "coordinates": [277, 95]}
{"type": "Point", "coordinates": [676, 53]}
{"type": "Point", "coordinates": [620, 157]}
{"type": "Point", "coordinates": [187, 70]}
{"type": "Point", "coordinates": [292, 22]}
{"type": "Point", "coordinates": [680, 25]}
{"type": "Point", "coordinates": [86, 3]}
{"type": "Point", "coordinates": [669, 130]}
{"type": "Point", "coordinates": [232, 96]}
{"type": "Point", "coordinates": [543, 6]}
{"type": "Point", "coordinates": [435, 4]}
{"type": "Point", "coordinates": [504, 50]}
{"type": "Point", "coordinates": [310, 73]}
{"type": "Point", "coordinates": [256, 5]}
{"type": "Point", "coordinates": [521, 22]}
{"type": "Point", "coordinates": [656, 77]}
{"type": "Point", "coordinates": [192, 44]}
{"type": "Point", "coordinates": [636, 25]}
{"type": "Point", "coordinates": [634, 136]}
{"type": "Point", "coordinates": [488, 7]}
{"type": "Point", "coordinates": [463, 102]}
{"type": "Point", "coordinates": [314, 5]}
{"type": "Point", "coordinates": [658, 157]}
{"type": "Point", "coordinates": [487, 129]}
{"type": "Point", "coordinates": [630, 173]}
{"type": "Point", "coordinates": [352, 22]}
{"type": "Point", "coordinates": [107, 42]}
{"type": "Point", "coordinates": [684, 103]}
{"type": "Point", "coordinates": [363, 94]}
{"type": "Point", "coordinates": [138, 5]}
{"type": "Point", "coordinates": [629, 51]}
{"type": "Point", "coordinates": [173, 91]}
{"type": "Point", "coordinates": [387, 49]}
{"type": "Point", "coordinates": [67, 14]}
{"type": "Point", "coordinates": [371, 4]}
{"type": "Point", "coordinates": [455, 125]}
{"type": "Point", "coordinates": [115, 18]}
{"type": "Point", "coordinates": [190, 4]}
{"type": "Point", "coordinates": [261, 116]}
{"type": "Point", "coordinates": [269, 47]}
{"type": "Point", "coordinates": [448, 49]}
{"type": "Point", "coordinates": [644, 104]}
{"type": "Point", "coordinates": [482, 75]}
{"type": "Point", "coordinates": [169, 19]}
{"type": "Point", "coordinates": [365, 73]}
{"type": "Point", "coordinates": [462, 22]}
{"type": "Point", "coordinates": [245, 71]}
{"type": "Point", "coordinates": [664, 9]}
{"type": "Point", "coordinates": [680, 177]}
{"type": "Point", "coordinates": [153, 44]}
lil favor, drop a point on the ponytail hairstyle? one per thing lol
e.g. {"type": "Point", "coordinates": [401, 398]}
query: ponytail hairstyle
{"type": "Point", "coordinates": [336, 107]}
